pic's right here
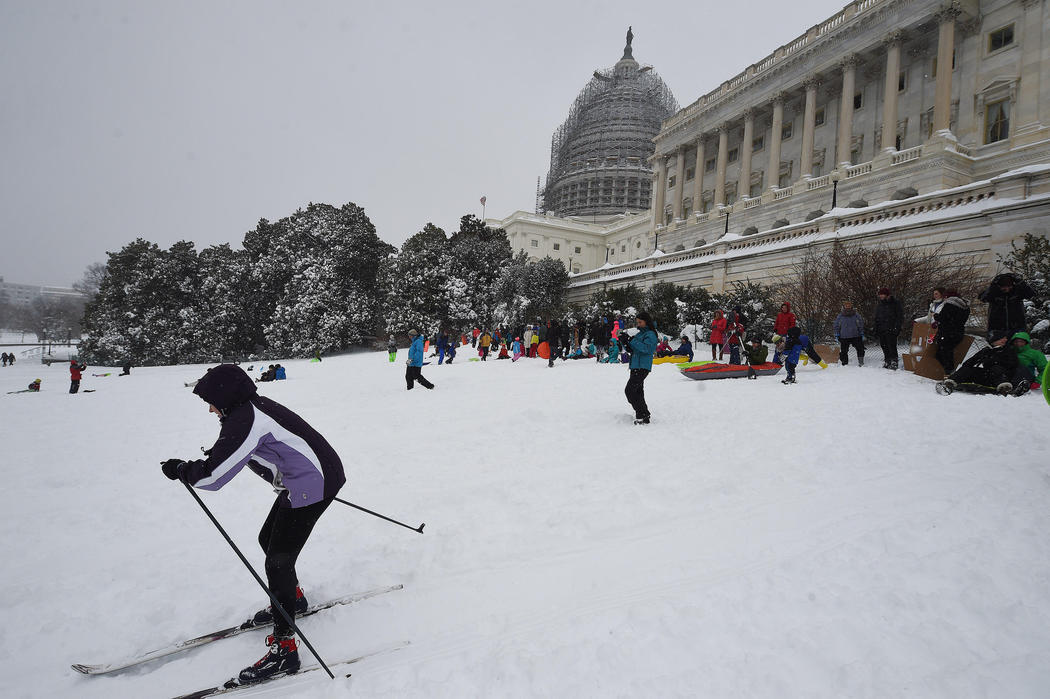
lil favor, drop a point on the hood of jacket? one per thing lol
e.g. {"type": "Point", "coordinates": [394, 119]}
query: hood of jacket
{"type": "Point", "coordinates": [958, 302]}
{"type": "Point", "coordinates": [226, 386]}
{"type": "Point", "coordinates": [1022, 336]}
{"type": "Point", "coordinates": [785, 307]}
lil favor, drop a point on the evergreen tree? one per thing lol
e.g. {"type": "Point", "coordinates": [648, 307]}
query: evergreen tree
{"type": "Point", "coordinates": [416, 283]}
{"type": "Point", "coordinates": [1031, 262]}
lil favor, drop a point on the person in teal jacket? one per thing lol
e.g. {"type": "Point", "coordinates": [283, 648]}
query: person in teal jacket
{"type": "Point", "coordinates": [642, 347]}
{"type": "Point", "coordinates": [1031, 361]}
{"type": "Point", "coordinates": [415, 362]}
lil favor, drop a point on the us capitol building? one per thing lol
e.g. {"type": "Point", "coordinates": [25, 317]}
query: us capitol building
{"type": "Point", "coordinates": [904, 122]}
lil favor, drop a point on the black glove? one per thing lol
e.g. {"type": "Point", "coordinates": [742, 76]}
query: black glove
{"type": "Point", "coordinates": [173, 468]}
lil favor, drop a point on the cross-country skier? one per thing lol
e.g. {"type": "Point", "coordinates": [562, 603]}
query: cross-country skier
{"type": "Point", "coordinates": [282, 448]}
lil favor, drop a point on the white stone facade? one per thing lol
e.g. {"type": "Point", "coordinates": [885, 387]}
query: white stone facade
{"type": "Point", "coordinates": [885, 100]}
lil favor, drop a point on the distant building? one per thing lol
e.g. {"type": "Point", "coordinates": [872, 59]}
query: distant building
{"type": "Point", "coordinates": [923, 121]}
{"type": "Point", "coordinates": [25, 294]}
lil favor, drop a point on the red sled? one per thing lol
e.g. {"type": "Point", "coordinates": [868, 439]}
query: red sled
{"type": "Point", "coordinates": [728, 371]}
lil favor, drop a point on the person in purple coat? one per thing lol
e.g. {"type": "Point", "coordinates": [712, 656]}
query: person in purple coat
{"type": "Point", "coordinates": [304, 470]}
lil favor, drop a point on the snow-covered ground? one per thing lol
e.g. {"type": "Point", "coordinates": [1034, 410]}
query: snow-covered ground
{"type": "Point", "coordinates": [854, 535]}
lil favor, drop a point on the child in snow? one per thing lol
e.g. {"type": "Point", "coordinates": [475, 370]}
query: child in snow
{"type": "Point", "coordinates": [450, 352]}
{"type": "Point", "coordinates": [4, 358]}
{"type": "Point", "coordinates": [1032, 361]}
{"type": "Point", "coordinates": [279, 374]}
{"type": "Point", "coordinates": [642, 345]}
{"type": "Point", "coordinates": [685, 349]}
{"type": "Point", "coordinates": [391, 349]}
{"type": "Point", "coordinates": [663, 349]}
{"type": "Point", "coordinates": [503, 352]}
{"type": "Point", "coordinates": [535, 342]}
{"type": "Point", "coordinates": [785, 321]}
{"type": "Point", "coordinates": [516, 349]}
{"type": "Point", "coordinates": [718, 330]}
{"type": "Point", "coordinates": [414, 372]}
{"type": "Point", "coordinates": [734, 331]}
{"type": "Point", "coordinates": [304, 469]}
{"type": "Point", "coordinates": [35, 386]}
{"type": "Point", "coordinates": [75, 369]}
{"type": "Point", "coordinates": [756, 352]}
{"type": "Point", "coordinates": [484, 343]}
{"type": "Point", "coordinates": [791, 349]}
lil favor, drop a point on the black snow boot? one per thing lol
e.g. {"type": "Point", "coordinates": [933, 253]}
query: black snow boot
{"type": "Point", "coordinates": [264, 617]}
{"type": "Point", "coordinates": [886, 364]}
{"type": "Point", "coordinates": [641, 421]}
{"type": "Point", "coordinates": [282, 658]}
{"type": "Point", "coordinates": [1005, 388]}
{"type": "Point", "coordinates": [790, 379]}
{"type": "Point", "coordinates": [860, 361]}
{"type": "Point", "coordinates": [893, 365]}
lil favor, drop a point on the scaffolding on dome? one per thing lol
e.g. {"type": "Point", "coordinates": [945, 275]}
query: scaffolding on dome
{"type": "Point", "coordinates": [599, 155]}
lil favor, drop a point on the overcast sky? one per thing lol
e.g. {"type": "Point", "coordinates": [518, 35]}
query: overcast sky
{"type": "Point", "coordinates": [192, 120]}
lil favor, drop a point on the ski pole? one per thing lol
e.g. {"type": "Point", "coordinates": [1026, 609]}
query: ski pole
{"type": "Point", "coordinates": [273, 600]}
{"type": "Point", "coordinates": [418, 530]}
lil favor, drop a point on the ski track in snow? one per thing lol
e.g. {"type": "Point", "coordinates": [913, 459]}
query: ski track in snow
{"type": "Point", "coordinates": [853, 535]}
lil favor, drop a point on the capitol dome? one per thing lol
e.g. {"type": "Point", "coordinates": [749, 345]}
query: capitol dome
{"type": "Point", "coordinates": [599, 155]}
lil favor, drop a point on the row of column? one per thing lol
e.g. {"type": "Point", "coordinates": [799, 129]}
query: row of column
{"type": "Point", "coordinates": [941, 120]}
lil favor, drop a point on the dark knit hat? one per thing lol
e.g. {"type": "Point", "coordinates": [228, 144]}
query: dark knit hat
{"type": "Point", "coordinates": [884, 291]}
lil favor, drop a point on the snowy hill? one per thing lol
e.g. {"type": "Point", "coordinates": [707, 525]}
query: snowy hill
{"type": "Point", "coordinates": [852, 535]}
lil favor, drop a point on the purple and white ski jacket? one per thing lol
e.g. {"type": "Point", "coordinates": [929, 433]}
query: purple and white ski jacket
{"type": "Point", "coordinates": [268, 438]}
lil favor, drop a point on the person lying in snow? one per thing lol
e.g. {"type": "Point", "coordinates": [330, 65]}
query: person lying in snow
{"type": "Point", "coordinates": [279, 446]}
{"type": "Point", "coordinates": [995, 369]}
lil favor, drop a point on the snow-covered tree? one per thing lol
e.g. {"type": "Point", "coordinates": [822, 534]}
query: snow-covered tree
{"type": "Point", "coordinates": [416, 281]}
{"type": "Point", "coordinates": [1031, 261]}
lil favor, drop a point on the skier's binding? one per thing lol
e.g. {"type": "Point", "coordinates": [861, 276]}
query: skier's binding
{"type": "Point", "coordinates": [264, 617]}
{"type": "Point", "coordinates": [282, 658]}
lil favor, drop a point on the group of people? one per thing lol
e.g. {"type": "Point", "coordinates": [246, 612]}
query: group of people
{"type": "Point", "coordinates": [7, 358]}
{"type": "Point", "coordinates": [274, 372]}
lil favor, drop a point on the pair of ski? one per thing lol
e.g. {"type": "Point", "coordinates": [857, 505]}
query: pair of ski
{"type": "Point", "coordinates": [233, 685]}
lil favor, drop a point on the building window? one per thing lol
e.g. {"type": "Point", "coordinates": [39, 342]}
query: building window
{"type": "Point", "coordinates": [902, 81]}
{"type": "Point", "coordinates": [557, 246]}
{"type": "Point", "coordinates": [818, 169]}
{"type": "Point", "coordinates": [686, 210]}
{"type": "Point", "coordinates": [670, 182]}
{"type": "Point", "coordinates": [638, 244]}
{"type": "Point", "coordinates": [623, 248]}
{"type": "Point", "coordinates": [535, 243]}
{"type": "Point", "coordinates": [577, 251]}
{"type": "Point", "coordinates": [711, 164]}
{"type": "Point", "coordinates": [858, 100]}
{"type": "Point", "coordinates": [784, 180]}
{"type": "Point", "coordinates": [734, 153]}
{"type": "Point", "coordinates": [819, 118]}
{"type": "Point", "coordinates": [854, 157]}
{"type": "Point", "coordinates": [758, 144]}
{"type": "Point", "coordinates": [1001, 38]}
{"type": "Point", "coordinates": [997, 121]}
{"type": "Point", "coordinates": [690, 174]}
{"type": "Point", "coordinates": [787, 131]}
{"type": "Point", "coordinates": [756, 190]}
{"type": "Point", "coordinates": [934, 73]}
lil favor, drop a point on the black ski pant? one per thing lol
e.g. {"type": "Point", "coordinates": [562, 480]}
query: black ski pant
{"type": "Point", "coordinates": [415, 373]}
{"type": "Point", "coordinates": [888, 340]}
{"type": "Point", "coordinates": [282, 537]}
{"type": "Point", "coordinates": [946, 352]}
{"type": "Point", "coordinates": [74, 385]}
{"type": "Point", "coordinates": [552, 354]}
{"type": "Point", "coordinates": [635, 392]}
{"type": "Point", "coordinates": [845, 343]}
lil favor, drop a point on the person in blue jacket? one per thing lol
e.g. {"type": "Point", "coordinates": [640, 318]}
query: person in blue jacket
{"type": "Point", "coordinates": [415, 362]}
{"type": "Point", "coordinates": [791, 349]}
{"type": "Point", "coordinates": [279, 373]}
{"type": "Point", "coordinates": [442, 346]}
{"type": "Point", "coordinates": [642, 347]}
{"type": "Point", "coordinates": [685, 349]}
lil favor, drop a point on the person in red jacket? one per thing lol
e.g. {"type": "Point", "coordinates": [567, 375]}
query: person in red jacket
{"type": "Point", "coordinates": [718, 337]}
{"type": "Point", "coordinates": [75, 368]}
{"type": "Point", "coordinates": [785, 321]}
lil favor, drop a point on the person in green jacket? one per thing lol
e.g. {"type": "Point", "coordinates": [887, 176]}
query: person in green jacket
{"type": "Point", "coordinates": [1032, 361]}
{"type": "Point", "coordinates": [642, 348]}
{"type": "Point", "coordinates": [756, 352]}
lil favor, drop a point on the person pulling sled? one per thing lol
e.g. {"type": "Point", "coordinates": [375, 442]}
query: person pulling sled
{"type": "Point", "coordinates": [304, 469]}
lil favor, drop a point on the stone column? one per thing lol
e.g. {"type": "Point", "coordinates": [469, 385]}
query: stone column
{"type": "Point", "coordinates": [773, 170]}
{"type": "Point", "coordinates": [942, 104]}
{"type": "Point", "coordinates": [1028, 89]}
{"type": "Point", "coordinates": [889, 98]}
{"type": "Point", "coordinates": [849, 86]}
{"type": "Point", "coordinates": [659, 190]}
{"type": "Point", "coordinates": [679, 183]}
{"type": "Point", "coordinates": [698, 179]}
{"type": "Point", "coordinates": [809, 124]}
{"type": "Point", "coordinates": [743, 187]}
{"type": "Point", "coordinates": [723, 160]}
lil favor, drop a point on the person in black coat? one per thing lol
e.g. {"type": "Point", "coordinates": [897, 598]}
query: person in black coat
{"type": "Point", "coordinates": [888, 318]}
{"type": "Point", "coordinates": [993, 369]}
{"type": "Point", "coordinates": [951, 326]}
{"type": "Point", "coordinates": [553, 342]}
{"type": "Point", "coordinates": [1005, 297]}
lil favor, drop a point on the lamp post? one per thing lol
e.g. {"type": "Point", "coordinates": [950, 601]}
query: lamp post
{"type": "Point", "coordinates": [725, 211]}
{"type": "Point", "coordinates": [656, 245]}
{"type": "Point", "coordinates": [836, 176]}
